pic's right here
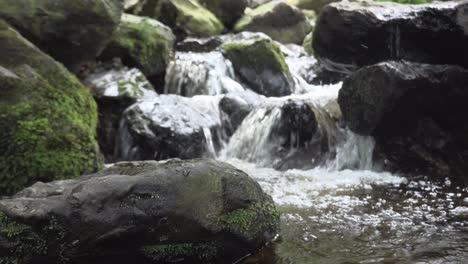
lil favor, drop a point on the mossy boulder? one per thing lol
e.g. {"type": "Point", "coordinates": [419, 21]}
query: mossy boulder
{"type": "Point", "coordinates": [47, 118]}
{"type": "Point", "coordinates": [227, 11]}
{"type": "Point", "coordinates": [142, 43]}
{"type": "Point", "coordinates": [196, 211]}
{"type": "Point", "coordinates": [185, 17]}
{"type": "Point", "coordinates": [260, 63]}
{"type": "Point", "coordinates": [279, 20]}
{"type": "Point", "coordinates": [70, 31]}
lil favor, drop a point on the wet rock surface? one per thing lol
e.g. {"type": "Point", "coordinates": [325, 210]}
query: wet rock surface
{"type": "Point", "coordinates": [57, 27]}
{"type": "Point", "coordinates": [415, 112]}
{"type": "Point", "coordinates": [352, 35]}
{"type": "Point", "coordinates": [185, 211]}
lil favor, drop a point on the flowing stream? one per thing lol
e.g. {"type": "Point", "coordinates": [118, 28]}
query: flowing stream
{"type": "Point", "coordinates": [341, 209]}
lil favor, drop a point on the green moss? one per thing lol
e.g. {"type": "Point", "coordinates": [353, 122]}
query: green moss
{"type": "Point", "coordinates": [196, 20]}
{"type": "Point", "coordinates": [47, 119]}
{"type": "Point", "coordinates": [142, 43]}
{"type": "Point", "coordinates": [308, 43]}
{"type": "Point", "coordinates": [200, 251]}
{"type": "Point", "coordinates": [260, 55]}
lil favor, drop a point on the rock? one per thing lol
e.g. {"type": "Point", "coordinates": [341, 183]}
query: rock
{"type": "Point", "coordinates": [58, 27]}
{"type": "Point", "coordinates": [47, 120]}
{"type": "Point", "coordinates": [307, 44]}
{"type": "Point", "coordinates": [284, 133]}
{"type": "Point", "coordinates": [199, 45]}
{"type": "Point", "coordinates": [415, 112]}
{"type": "Point", "coordinates": [277, 19]}
{"type": "Point", "coordinates": [142, 43]}
{"type": "Point", "coordinates": [192, 74]}
{"type": "Point", "coordinates": [194, 211]}
{"type": "Point", "coordinates": [237, 106]}
{"type": "Point", "coordinates": [227, 11]}
{"type": "Point", "coordinates": [380, 31]}
{"type": "Point", "coordinates": [260, 63]}
{"type": "Point", "coordinates": [115, 88]}
{"type": "Point", "coordinates": [257, 3]}
{"type": "Point", "coordinates": [185, 17]}
{"type": "Point", "coordinates": [316, 5]}
{"type": "Point", "coordinates": [171, 126]}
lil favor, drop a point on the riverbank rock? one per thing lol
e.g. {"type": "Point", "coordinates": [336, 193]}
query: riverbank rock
{"type": "Point", "coordinates": [415, 111]}
{"type": "Point", "coordinates": [378, 31]}
{"type": "Point", "coordinates": [115, 88]}
{"type": "Point", "coordinates": [170, 126]}
{"type": "Point", "coordinates": [47, 118]}
{"type": "Point", "coordinates": [58, 27]}
{"type": "Point", "coordinates": [142, 43]}
{"type": "Point", "coordinates": [260, 63]}
{"type": "Point", "coordinates": [194, 211]}
{"type": "Point", "coordinates": [227, 11]}
{"type": "Point", "coordinates": [185, 17]}
{"type": "Point", "coordinates": [279, 20]}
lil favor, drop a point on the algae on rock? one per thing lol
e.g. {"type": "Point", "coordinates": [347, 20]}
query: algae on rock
{"type": "Point", "coordinates": [47, 117]}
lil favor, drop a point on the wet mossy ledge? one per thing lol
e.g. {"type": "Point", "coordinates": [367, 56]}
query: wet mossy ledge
{"type": "Point", "coordinates": [193, 211]}
{"type": "Point", "coordinates": [47, 117]}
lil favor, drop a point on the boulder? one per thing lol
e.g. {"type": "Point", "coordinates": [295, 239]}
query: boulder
{"type": "Point", "coordinates": [257, 3]}
{"type": "Point", "coordinates": [47, 117]}
{"type": "Point", "coordinates": [58, 27]}
{"type": "Point", "coordinates": [415, 111]}
{"type": "Point", "coordinates": [293, 134]}
{"type": "Point", "coordinates": [185, 17]}
{"type": "Point", "coordinates": [316, 5]}
{"type": "Point", "coordinates": [227, 11]}
{"type": "Point", "coordinates": [208, 73]}
{"type": "Point", "coordinates": [142, 43]}
{"type": "Point", "coordinates": [196, 211]}
{"type": "Point", "coordinates": [115, 88]}
{"type": "Point", "coordinates": [279, 20]}
{"type": "Point", "coordinates": [199, 45]}
{"type": "Point", "coordinates": [350, 35]}
{"type": "Point", "coordinates": [170, 126]}
{"type": "Point", "coordinates": [260, 64]}
{"type": "Point", "coordinates": [237, 106]}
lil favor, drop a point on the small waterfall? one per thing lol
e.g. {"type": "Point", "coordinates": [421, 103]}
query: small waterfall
{"type": "Point", "coordinates": [191, 74]}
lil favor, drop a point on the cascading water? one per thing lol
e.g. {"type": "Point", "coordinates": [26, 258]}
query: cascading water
{"type": "Point", "coordinates": [336, 208]}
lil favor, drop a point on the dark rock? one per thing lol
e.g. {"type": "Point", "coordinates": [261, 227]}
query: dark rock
{"type": "Point", "coordinates": [350, 35]}
{"type": "Point", "coordinates": [195, 211]}
{"type": "Point", "coordinates": [199, 45]}
{"type": "Point", "coordinates": [227, 11]}
{"type": "Point", "coordinates": [115, 88]}
{"type": "Point", "coordinates": [237, 106]}
{"type": "Point", "coordinates": [171, 126]}
{"type": "Point", "coordinates": [316, 5]}
{"type": "Point", "coordinates": [58, 27]}
{"type": "Point", "coordinates": [415, 111]}
{"type": "Point", "coordinates": [47, 117]}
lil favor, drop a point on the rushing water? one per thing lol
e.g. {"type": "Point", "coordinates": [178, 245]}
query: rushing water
{"type": "Point", "coordinates": [344, 210]}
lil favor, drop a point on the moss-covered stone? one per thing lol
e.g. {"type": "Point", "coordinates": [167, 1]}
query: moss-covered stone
{"type": "Point", "coordinates": [143, 43]}
{"type": "Point", "coordinates": [261, 64]}
{"type": "Point", "coordinates": [279, 20]}
{"type": "Point", "coordinates": [71, 31]}
{"type": "Point", "coordinates": [308, 43]}
{"type": "Point", "coordinates": [47, 118]}
{"type": "Point", "coordinates": [185, 17]}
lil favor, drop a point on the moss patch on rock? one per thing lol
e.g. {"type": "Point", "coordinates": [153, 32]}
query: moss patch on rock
{"type": "Point", "coordinates": [47, 118]}
{"type": "Point", "coordinates": [143, 43]}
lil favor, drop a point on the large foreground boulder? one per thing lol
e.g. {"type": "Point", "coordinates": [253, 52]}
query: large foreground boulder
{"type": "Point", "coordinates": [350, 35]}
{"type": "Point", "coordinates": [143, 212]}
{"type": "Point", "coordinates": [47, 118]}
{"type": "Point", "coordinates": [279, 20]}
{"type": "Point", "coordinates": [142, 43]}
{"type": "Point", "coordinates": [416, 112]}
{"type": "Point", "coordinates": [69, 30]}
{"type": "Point", "coordinates": [260, 63]}
{"type": "Point", "coordinates": [170, 126]}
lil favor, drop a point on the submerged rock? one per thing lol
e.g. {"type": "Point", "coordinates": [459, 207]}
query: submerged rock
{"type": "Point", "coordinates": [175, 211]}
{"type": "Point", "coordinates": [415, 111]}
{"type": "Point", "coordinates": [228, 11]}
{"type": "Point", "coordinates": [279, 20]}
{"type": "Point", "coordinates": [142, 43]}
{"type": "Point", "coordinates": [58, 27]}
{"type": "Point", "coordinates": [185, 17]}
{"type": "Point", "coordinates": [350, 35]}
{"type": "Point", "coordinates": [47, 117]}
{"type": "Point", "coordinates": [260, 63]}
{"type": "Point", "coordinates": [115, 88]}
{"type": "Point", "coordinates": [171, 126]}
